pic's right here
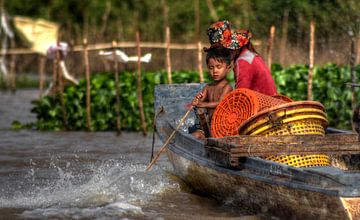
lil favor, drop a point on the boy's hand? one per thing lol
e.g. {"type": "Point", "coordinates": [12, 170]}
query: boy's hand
{"type": "Point", "coordinates": [195, 101]}
{"type": "Point", "coordinates": [197, 98]}
{"type": "Point", "coordinates": [199, 95]}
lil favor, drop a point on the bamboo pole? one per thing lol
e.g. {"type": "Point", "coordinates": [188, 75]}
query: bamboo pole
{"type": "Point", "coordinates": [168, 141]}
{"type": "Point", "coordinates": [212, 10]}
{"type": "Point", "coordinates": [13, 73]}
{"type": "Point", "coordinates": [53, 87]}
{"type": "Point", "coordinates": [357, 50]}
{"type": "Point", "coordinates": [139, 88]}
{"type": "Point", "coordinates": [353, 77]}
{"type": "Point", "coordinates": [117, 89]}
{"type": "Point", "coordinates": [60, 88]}
{"type": "Point", "coordinates": [200, 64]}
{"type": "Point", "coordinates": [42, 60]}
{"type": "Point", "coordinates": [88, 88]}
{"type": "Point", "coordinates": [168, 60]}
{"type": "Point", "coordinates": [311, 59]}
{"type": "Point", "coordinates": [284, 34]}
{"type": "Point", "coordinates": [104, 46]}
{"type": "Point", "coordinates": [270, 45]}
{"type": "Point", "coordinates": [197, 20]}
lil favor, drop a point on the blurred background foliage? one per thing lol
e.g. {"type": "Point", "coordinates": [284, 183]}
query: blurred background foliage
{"type": "Point", "coordinates": [337, 24]}
{"type": "Point", "coordinates": [105, 20]}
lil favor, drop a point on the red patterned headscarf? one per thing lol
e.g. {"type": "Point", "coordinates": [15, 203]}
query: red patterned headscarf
{"type": "Point", "coordinates": [219, 33]}
{"type": "Point", "coordinates": [239, 38]}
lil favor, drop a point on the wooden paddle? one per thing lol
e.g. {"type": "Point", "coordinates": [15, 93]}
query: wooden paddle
{"type": "Point", "coordinates": [168, 140]}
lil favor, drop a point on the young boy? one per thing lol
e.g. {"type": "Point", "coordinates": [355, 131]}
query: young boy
{"type": "Point", "coordinates": [218, 62]}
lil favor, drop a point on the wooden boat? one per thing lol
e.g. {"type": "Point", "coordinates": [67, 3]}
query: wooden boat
{"type": "Point", "coordinates": [262, 186]}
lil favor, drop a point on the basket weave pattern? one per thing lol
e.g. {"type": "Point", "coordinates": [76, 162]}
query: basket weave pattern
{"type": "Point", "coordinates": [236, 107]}
{"type": "Point", "coordinates": [294, 119]}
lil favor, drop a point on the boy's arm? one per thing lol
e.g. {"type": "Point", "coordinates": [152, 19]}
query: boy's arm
{"type": "Point", "coordinates": [200, 97]}
{"type": "Point", "coordinates": [228, 88]}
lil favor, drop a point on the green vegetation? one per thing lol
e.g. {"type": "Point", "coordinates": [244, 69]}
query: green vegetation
{"type": "Point", "coordinates": [328, 87]}
{"type": "Point", "coordinates": [106, 20]}
{"type": "Point", "coordinates": [103, 116]}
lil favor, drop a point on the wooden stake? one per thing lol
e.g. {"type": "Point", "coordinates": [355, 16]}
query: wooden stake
{"type": "Point", "coordinates": [42, 60]}
{"type": "Point", "coordinates": [60, 88]}
{"type": "Point", "coordinates": [53, 88]}
{"type": "Point", "coordinates": [197, 20]}
{"type": "Point", "coordinates": [353, 76]}
{"type": "Point", "coordinates": [168, 140]}
{"type": "Point", "coordinates": [311, 59]}
{"type": "Point", "coordinates": [139, 88]}
{"type": "Point", "coordinates": [88, 88]}
{"type": "Point", "coordinates": [284, 33]}
{"type": "Point", "coordinates": [270, 45]}
{"type": "Point", "coordinates": [168, 60]}
{"type": "Point", "coordinates": [117, 89]}
{"type": "Point", "coordinates": [212, 10]}
{"type": "Point", "coordinates": [13, 73]}
{"type": "Point", "coordinates": [357, 50]}
{"type": "Point", "coordinates": [200, 67]}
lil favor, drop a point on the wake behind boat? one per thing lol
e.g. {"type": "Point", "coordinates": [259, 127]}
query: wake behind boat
{"type": "Point", "coordinates": [260, 185]}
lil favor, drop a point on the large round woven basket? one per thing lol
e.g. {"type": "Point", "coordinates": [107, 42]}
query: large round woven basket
{"type": "Point", "coordinates": [238, 106]}
{"type": "Point", "coordinates": [301, 117]}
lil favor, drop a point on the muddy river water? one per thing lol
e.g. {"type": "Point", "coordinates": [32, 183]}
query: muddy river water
{"type": "Point", "coordinates": [90, 175]}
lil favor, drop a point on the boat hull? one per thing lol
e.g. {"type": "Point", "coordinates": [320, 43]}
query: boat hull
{"type": "Point", "coordinates": [259, 186]}
{"type": "Point", "coordinates": [261, 197]}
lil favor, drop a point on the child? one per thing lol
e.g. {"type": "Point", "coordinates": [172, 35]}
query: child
{"type": "Point", "coordinates": [250, 70]}
{"type": "Point", "coordinates": [218, 62]}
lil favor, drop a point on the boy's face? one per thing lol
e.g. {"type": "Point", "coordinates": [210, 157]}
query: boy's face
{"type": "Point", "coordinates": [218, 69]}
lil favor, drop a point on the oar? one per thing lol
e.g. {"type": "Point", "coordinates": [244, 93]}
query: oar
{"type": "Point", "coordinates": [168, 140]}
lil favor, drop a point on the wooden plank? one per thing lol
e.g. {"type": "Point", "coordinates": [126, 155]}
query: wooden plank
{"type": "Point", "coordinates": [244, 146]}
{"type": "Point", "coordinates": [296, 149]}
{"type": "Point", "coordinates": [312, 140]}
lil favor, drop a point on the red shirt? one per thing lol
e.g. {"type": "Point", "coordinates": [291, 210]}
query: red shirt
{"type": "Point", "coordinates": [251, 72]}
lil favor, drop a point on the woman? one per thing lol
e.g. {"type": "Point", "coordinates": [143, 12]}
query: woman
{"type": "Point", "coordinates": [250, 70]}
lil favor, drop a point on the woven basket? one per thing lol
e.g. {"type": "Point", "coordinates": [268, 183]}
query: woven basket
{"type": "Point", "coordinates": [238, 106]}
{"type": "Point", "coordinates": [303, 117]}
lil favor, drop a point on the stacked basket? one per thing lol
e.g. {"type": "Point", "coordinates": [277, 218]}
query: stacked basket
{"type": "Point", "coordinates": [271, 116]}
{"type": "Point", "coordinates": [238, 106]}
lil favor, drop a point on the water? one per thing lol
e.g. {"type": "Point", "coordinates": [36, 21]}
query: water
{"type": "Point", "coordinates": [89, 175]}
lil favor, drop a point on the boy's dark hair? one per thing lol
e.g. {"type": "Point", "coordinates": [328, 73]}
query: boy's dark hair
{"type": "Point", "coordinates": [219, 54]}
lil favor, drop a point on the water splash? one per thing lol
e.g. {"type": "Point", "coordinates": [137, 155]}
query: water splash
{"type": "Point", "coordinates": [111, 188]}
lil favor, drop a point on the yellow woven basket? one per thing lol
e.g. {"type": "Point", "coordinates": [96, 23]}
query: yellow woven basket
{"type": "Point", "coordinates": [302, 117]}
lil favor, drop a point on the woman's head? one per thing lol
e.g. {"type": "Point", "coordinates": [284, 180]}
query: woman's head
{"type": "Point", "coordinates": [222, 34]}
{"type": "Point", "coordinates": [219, 32]}
{"type": "Point", "coordinates": [240, 38]}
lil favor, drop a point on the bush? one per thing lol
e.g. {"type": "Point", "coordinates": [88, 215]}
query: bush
{"type": "Point", "coordinates": [328, 88]}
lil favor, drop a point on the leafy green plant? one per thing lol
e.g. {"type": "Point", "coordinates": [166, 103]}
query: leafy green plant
{"type": "Point", "coordinates": [328, 88]}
